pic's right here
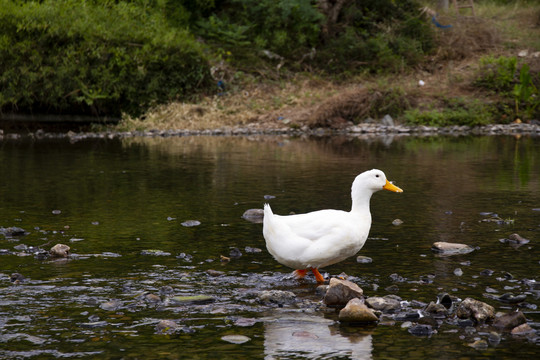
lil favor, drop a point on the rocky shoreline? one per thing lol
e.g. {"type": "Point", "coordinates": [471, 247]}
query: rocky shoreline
{"type": "Point", "coordinates": [359, 130]}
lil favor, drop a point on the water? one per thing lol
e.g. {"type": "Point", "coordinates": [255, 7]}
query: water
{"type": "Point", "coordinates": [111, 200]}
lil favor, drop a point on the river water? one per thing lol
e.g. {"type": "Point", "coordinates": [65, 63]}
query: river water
{"type": "Point", "coordinates": [122, 205]}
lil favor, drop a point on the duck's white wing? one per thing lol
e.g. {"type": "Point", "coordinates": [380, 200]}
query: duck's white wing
{"type": "Point", "coordinates": [315, 239]}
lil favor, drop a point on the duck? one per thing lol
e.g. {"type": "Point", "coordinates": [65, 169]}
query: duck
{"type": "Point", "coordinates": [321, 238]}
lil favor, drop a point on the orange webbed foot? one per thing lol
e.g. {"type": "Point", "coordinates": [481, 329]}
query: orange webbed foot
{"type": "Point", "coordinates": [299, 274]}
{"type": "Point", "coordinates": [318, 276]}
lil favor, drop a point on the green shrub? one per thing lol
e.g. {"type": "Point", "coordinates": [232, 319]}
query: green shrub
{"type": "Point", "coordinates": [82, 58]}
{"type": "Point", "coordinates": [456, 112]}
{"type": "Point", "coordinates": [497, 74]}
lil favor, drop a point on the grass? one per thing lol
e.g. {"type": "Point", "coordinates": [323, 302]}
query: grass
{"type": "Point", "coordinates": [449, 74]}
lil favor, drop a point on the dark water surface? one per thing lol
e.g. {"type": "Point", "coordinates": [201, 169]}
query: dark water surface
{"type": "Point", "coordinates": [111, 200]}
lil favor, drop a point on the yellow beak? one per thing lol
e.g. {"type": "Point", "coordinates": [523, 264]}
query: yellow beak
{"type": "Point", "coordinates": [391, 187]}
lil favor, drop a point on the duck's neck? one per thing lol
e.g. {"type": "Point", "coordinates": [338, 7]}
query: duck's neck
{"type": "Point", "coordinates": [360, 203]}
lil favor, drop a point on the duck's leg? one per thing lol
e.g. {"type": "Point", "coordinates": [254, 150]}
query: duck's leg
{"type": "Point", "coordinates": [318, 276]}
{"type": "Point", "coordinates": [299, 274]}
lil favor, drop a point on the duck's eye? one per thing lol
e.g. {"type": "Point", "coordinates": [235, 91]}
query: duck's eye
{"type": "Point", "coordinates": [377, 175]}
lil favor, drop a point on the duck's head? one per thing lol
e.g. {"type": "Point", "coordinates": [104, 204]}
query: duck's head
{"type": "Point", "coordinates": [373, 180]}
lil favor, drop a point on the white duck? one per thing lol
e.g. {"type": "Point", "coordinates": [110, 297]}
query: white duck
{"type": "Point", "coordinates": [321, 238]}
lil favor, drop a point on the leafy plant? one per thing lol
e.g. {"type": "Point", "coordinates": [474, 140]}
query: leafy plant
{"type": "Point", "coordinates": [525, 93]}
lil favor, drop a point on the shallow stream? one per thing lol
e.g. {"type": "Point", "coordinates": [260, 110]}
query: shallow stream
{"type": "Point", "coordinates": [124, 207]}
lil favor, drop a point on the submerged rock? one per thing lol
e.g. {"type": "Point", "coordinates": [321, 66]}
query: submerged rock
{"type": "Point", "coordinates": [112, 305]}
{"type": "Point", "coordinates": [254, 215]}
{"type": "Point", "coordinates": [446, 248]}
{"type": "Point", "coordinates": [421, 330]}
{"type": "Point", "coordinates": [17, 278]}
{"type": "Point", "coordinates": [235, 339]}
{"type": "Point", "coordinates": [166, 327]}
{"type": "Point", "coordinates": [191, 223]}
{"type": "Point", "coordinates": [59, 250]}
{"type": "Point", "coordinates": [191, 299]}
{"type": "Point", "coordinates": [477, 310]}
{"type": "Point", "coordinates": [514, 240]}
{"type": "Point", "coordinates": [13, 231]}
{"type": "Point", "coordinates": [155, 252]}
{"type": "Point", "coordinates": [278, 297]}
{"type": "Point", "coordinates": [357, 312]}
{"type": "Point", "coordinates": [523, 329]}
{"type": "Point", "coordinates": [340, 292]}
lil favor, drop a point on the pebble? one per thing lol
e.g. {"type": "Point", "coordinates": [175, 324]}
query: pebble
{"type": "Point", "coordinates": [59, 250]}
{"type": "Point", "coordinates": [191, 223]}
{"type": "Point", "coordinates": [446, 248]}
{"type": "Point", "coordinates": [254, 215]}
{"type": "Point", "coordinates": [235, 339]}
{"type": "Point", "coordinates": [278, 297]}
{"type": "Point", "coordinates": [364, 259]}
{"type": "Point", "coordinates": [421, 330]}
{"type": "Point", "coordinates": [510, 320]}
{"type": "Point", "coordinates": [384, 304]}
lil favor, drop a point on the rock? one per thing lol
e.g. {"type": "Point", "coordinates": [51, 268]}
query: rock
{"type": "Point", "coordinates": [509, 298]}
{"type": "Point", "coordinates": [397, 222]}
{"type": "Point", "coordinates": [408, 316]}
{"type": "Point", "coordinates": [235, 253]}
{"type": "Point", "coordinates": [477, 310]}
{"type": "Point", "coordinates": [191, 223]}
{"type": "Point", "coordinates": [215, 273]}
{"type": "Point", "coordinates": [191, 299]}
{"type": "Point", "coordinates": [155, 252]}
{"type": "Point", "coordinates": [357, 312]}
{"type": "Point", "coordinates": [340, 292]}
{"type": "Point", "coordinates": [437, 310]}
{"type": "Point", "coordinates": [445, 300]}
{"type": "Point", "coordinates": [254, 215]}
{"type": "Point", "coordinates": [252, 250]}
{"type": "Point", "coordinates": [278, 297]}
{"type": "Point", "coordinates": [12, 231]}
{"type": "Point", "coordinates": [509, 321]}
{"type": "Point", "coordinates": [152, 298]}
{"type": "Point", "coordinates": [112, 305]}
{"type": "Point", "coordinates": [446, 248]}
{"type": "Point", "coordinates": [458, 272]}
{"type": "Point", "coordinates": [387, 120]}
{"type": "Point", "coordinates": [59, 250]}
{"type": "Point", "coordinates": [515, 240]}
{"type": "Point", "coordinates": [235, 339]}
{"type": "Point", "coordinates": [384, 304]}
{"type": "Point", "coordinates": [185, 257]}
{"type": "Point", "coordinates": [364, 259]}
{"type": "Point", "coordinates": [479, 344]}
{"type": "Point", "coordinates": [523, 329]}
{"type": "Point", "coordinates": [494, 338]}
{"type": "Point", "coordinates": [17, 278]}
{"type": "Point", "coordinates": [421, 330]}
{"type": "Point", "coordinates": [166, 327]}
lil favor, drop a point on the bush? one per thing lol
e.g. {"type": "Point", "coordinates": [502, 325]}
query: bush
{"type": "Point", "coordinates": [87, 58]}
{"type": "Point", "coordinates": [497, 74]}
{"type": "Point", "coordinates": [456, 112]}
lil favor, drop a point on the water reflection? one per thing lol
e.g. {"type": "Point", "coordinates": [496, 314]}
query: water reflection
{"type": "Point", "coordinates": [289, 335]}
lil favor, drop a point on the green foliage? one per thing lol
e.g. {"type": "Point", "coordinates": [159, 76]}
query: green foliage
{"type": "Point", "coordinates": [500, 75]}
{"type": "Point", "coordinates": [525, 93]}
{"type": "Point", "coordinates": [456, 112]}
{"type": "Point", "coordinates": [281, 26]}
{"type": "Point", "coordinates": [497, 74]}
{"type": "Point", "coordinates": [379, 36]}
{"type": "Point", "coordinates": [84, 57]}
